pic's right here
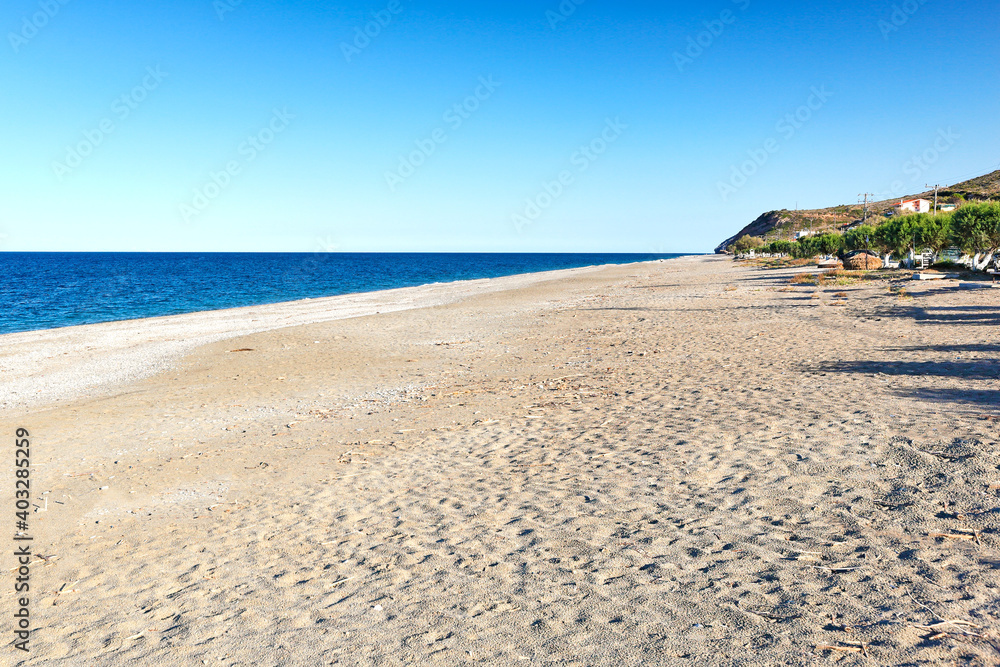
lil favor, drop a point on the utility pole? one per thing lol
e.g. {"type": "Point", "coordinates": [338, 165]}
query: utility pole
{"type": "Point", "coordinates": [866, 195]}
{"type": "Point", "coordinates": [936, 188]}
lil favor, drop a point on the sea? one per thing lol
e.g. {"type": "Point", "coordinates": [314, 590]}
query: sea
{"type": "Point", "coordinates": [50, 290]}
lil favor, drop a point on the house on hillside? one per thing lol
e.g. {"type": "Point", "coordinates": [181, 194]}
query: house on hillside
{"type": "Point", "coordinates": [803, 234]}
{"type": "Point", "coordinates": [913, 206]}
{"type": "Point", "coordinates": [948, 208]}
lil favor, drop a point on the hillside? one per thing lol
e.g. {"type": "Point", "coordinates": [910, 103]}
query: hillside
{"type": "Point", "coordinates": [785, 223]}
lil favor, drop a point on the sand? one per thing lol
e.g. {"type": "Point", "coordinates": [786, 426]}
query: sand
{"type": "Point", "coordinates": [41, 367]}
{"type": "Point", "coordinates": [680, 463]}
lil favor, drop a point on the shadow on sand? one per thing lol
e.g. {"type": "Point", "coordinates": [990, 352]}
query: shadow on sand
{"type": "Point", "coordinates": [988, 399]}
{"type": "Point", "coordinates": [986, 369]}
{"type": "Point", "coordinates": [978, 315]}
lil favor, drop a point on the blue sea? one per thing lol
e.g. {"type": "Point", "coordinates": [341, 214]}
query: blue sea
{"type": "Point", "coordinates": [48, 290]}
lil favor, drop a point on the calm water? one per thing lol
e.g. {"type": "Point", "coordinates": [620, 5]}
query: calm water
{"type": "Point", "coordinates": [46, 290]}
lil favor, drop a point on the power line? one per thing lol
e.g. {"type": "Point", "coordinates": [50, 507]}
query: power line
{"type": "Point", "coordinates": [978, 172]}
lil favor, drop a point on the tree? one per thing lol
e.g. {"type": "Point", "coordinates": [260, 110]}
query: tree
{"type": "Point", "coordinates": [830, 244]}
{"type": "Point", "coordinates": [781, 247]}
{"type": "Point", "coordinates": [922, 231]}
{"type": "Point", "coordinates": [861, 237]}
{"type": "Point", "coordinates": [747, 243]}
{"type": "Point", "coordinates": [976, 230]}
{"type": "Point", "coordinates": [937, 232]}
{"type": "Point", "coordinates": [890, 238]}
{"type": "Point", "coordinates": [807, 247]}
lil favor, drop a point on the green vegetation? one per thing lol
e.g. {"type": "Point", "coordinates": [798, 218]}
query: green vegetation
{"type": "Point", "coordinates": [974, 228]}
{"type": "Point", "coordinates": [919, 231]}
{"type": "Point", "coordinates": [780, 247]}
{"type": "Point", "coordinates": [775, 225]}
{"type": "Point", "coordinates": [747, 243]}
{"type": "Point", "coordinates": [861, 237]}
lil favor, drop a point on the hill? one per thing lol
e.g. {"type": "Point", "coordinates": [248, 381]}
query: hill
{"type": "Point", "coordinates": [785, 223]}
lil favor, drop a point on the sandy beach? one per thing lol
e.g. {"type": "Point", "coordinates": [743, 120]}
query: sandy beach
{"type": "Point", "coordinates": [690, 462]}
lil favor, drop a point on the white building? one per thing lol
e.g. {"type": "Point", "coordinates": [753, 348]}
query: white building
{"type": "Point", "coordinates": [914, 206]}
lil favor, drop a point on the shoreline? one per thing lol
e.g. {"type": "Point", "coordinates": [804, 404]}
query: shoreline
{"type": "Point", "coordinates": [341, 283]}
{"type": "Point", "coordinates": [105, 355]}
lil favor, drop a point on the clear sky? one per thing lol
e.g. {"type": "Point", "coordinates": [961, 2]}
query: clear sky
{"type": "Point", "coordinates": [259, 125]}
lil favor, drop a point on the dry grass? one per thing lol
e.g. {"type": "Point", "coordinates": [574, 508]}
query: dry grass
{"type": "Point", "coordinates": [845, 277]}
{"type": "Point", "coordinates": [841, 295]}
{"type": "Point", "coordinates": [837, 277]}
{"type": "Point", "coordinates": [900, 291]}
{"type": "Point", "coordinates": [779, 262]}
{"type": "Point", "coordinates": [844, 273]}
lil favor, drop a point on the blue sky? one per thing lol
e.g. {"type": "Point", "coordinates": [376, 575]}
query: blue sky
{"type": "Point", "coordinates": [281, 126]}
